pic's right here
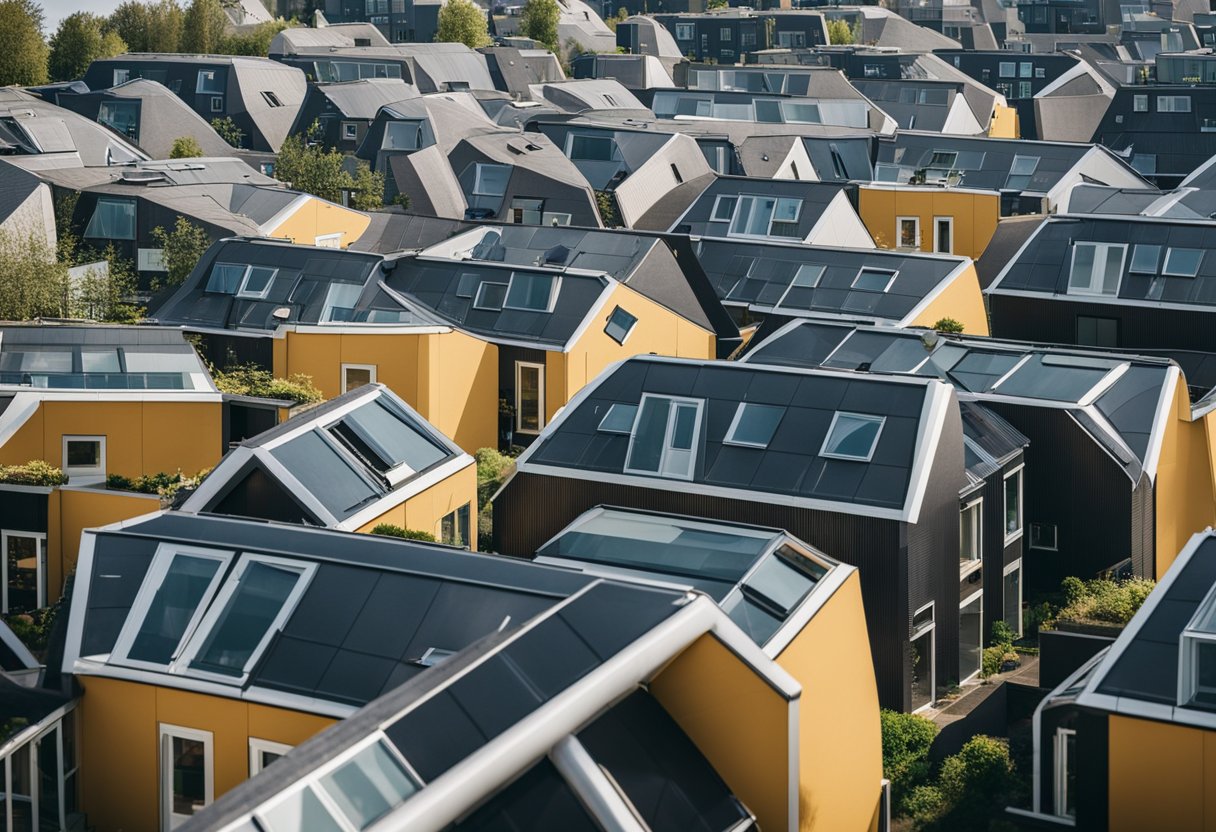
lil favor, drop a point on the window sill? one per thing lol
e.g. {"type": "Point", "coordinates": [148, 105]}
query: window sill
{"type": "Point", "coordinates": [967, 567]}
{"type": "Point", "coordinates": [1015, 536]}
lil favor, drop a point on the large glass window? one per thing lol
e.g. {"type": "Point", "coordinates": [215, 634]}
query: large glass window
{"type": "Point", "coordinates": [186, 773]}
{"type": "Point", "coordinates": [179, 591]}
{"type": "Point", "coordinates": [592, 148]}
{"type": "Point", "coordinates": [665, 435]}
{"type": "Point", "coordinates": [970, 527]}
{"type": "Point", "coordinates": [210, 82]}
{"type": "Point", "coordinates": [340, 302]}
{"type": "Point", "coordinates": [454, 527]}
{"type": "Point", "coordinates": [920, 661]}
{"type": "Point", "coordinates": [321, 469]}
{"type": "Point", "coordinates": [113, 219]}
{"type": "Point", "coordinates": [1197, 681]}
{"type": "Point", "coordinates": [970, 636]}
{"type": "Point", "coordinates": [403, 135]}
{"type": "Point", "coordinates": [1013, 505]}
{"type": "Point", "coordinates": [852, 436]}
{"type": "Point", "coordinates": [491, 180]}
{"type": "Point", "coordinates": [120, 116]}
{"type": "Point", "coordinates": [1097, 269]}
{"type": "Point", "coordinates": [1065, 773]}
{"type": "Point", "coordinates": [758, 216]}
{"type": "Point", "coordinates": [1182, 262]}
{"type": "Point", "coordinates": [225, 278]}
{"type": "Point", "coordinates": [754, 425]}
{"type": "Point", "coordinates": [1145, 259]}
{"type": "Point", "coordinates": [873, 280]}
{"type": "Point", "coordinates": [620, 324]}
{"type": "Point", "coordinates": [1011, 590]}
{"type": "Point", "coordinates": [24, 567]}
{"type": "Point", "coordinates": [529, 397]}
{"type": "Point", "coordinates": [368, 786]}
{"type": "Point", "coordinates": [532, 292]}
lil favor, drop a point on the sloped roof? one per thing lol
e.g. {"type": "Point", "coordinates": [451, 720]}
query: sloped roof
{"type": "Point", "coordinates": [288, 41]}
{"type": "Point", "coordinates": [393, 230]}
{"type": "Point", "coordinates": [365, 97]}
{"type": "Point", "coordinates": [815, 199]}
{"type": "Point", "coordinates": [31, 127]}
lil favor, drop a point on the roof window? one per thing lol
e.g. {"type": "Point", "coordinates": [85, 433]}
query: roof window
{"type": "Point", "coordinates": [852, 436]}
{"type": "Point", "coordinates": [1020, 172]}
{"type": "Point", "coordinates": [1197, 681]}
{"type": "Point", "coordinates": [620, 324]}
{"type": "Point", "coordinates": [1145, 259]}
{"type": "Point", "coordinates": [664, 439]}
{"type": "Point", "coordinates": [754, 425]}
{"type": "Point", "coordinates": [532, 292]}
{"type": "Point", "coordinates": [490, 296]}
{"type": "Point", "coordinates": [766, 216]}
{"type": "Point", "coordinates": [619, 418]}
{"type": "Point", "coordinates": [383, 439]}
{"type": "Point", "coordinates": [271, 99]}
{"type": "Point", "coordinates": [874, 280]}
{"type": "Point", "coordinates": [1182, 262]}
{"type": "Point", "coordinates": [340, 302]}
{"type": "Point", "coordinates": [772, 591]}
{"type": "Point", "coordinates": [1097, 269]}
{"type": "Point", "coordinates": [466, 286]}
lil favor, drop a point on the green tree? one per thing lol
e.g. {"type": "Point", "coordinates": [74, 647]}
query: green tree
{"type": "Point", "coordinates": [183, 247]}
{"type": "Point", "coordinates": [321, 172]}
{"type": "Point", "coordinates": [203, 27]}
{"type": "Point", "coordinates": [23, 58]}
{"type": "Point", "coordinates": [105, 290]}
{"type": "Point", "coordinates": [975, 784]}
{"type": "Point", "coordinates": [185, 147]}
{"type": "Point", "coordinates": [367, 191]}
{"type": "Point", "coordinates": [130, 22]}
{"type": "Point", "coordinates": [33, 282]}
{"type": "Point", "coordinates": [905, 753]}
{"type": "Point", "coordinates": [538, 21]}
{"type": "Point", "coordinates": [948, 325]}
{"type": "Point", "coordinates": [228, 131]}
{"type": "Point", "coordinates": [150, 26]}
{"type": "Point", "coordinates": [81, 39]}
{"type": "Point", "coordinates": [839, 32]}
{"type": "Point", "coordinates": [462, 21]}
{"type": "Point", "coordinates": [254, 42]}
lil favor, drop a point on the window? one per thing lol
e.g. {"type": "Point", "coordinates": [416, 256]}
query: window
{"type": "Point", "coordinates": [909, 232]}
{"type": "Point", "coordinates": [873, 280]}
{"type": "Point", "coordinates": [872, 71]}
{"type": "Point", "coordinates": [1197, 679]}
{"type": "Point", "coordinates": [1011, 590]}
{"type": "Point", "coordinates": [920, 657]}
{"type": "Point", "coordinates": [217, 104]}
{"type": "Point", "coordinates": [120, 116]}
{"type": "Point", "coordinates": [675, 172]}
{"type": "Point", "coordinates": [1025, 89]}
{"type": "Point", "coordinates": [1013, 505]}
{"type": "Point", "coordinates": [1182, 262]}
{"type": "Point", "coordinates": [1144, 164]}
{"type": "Point", "coordinates": [121, 76]}
{"type": "Point", "coordinates": [665, 437]}
{"type": "Point", "coordinates": [529, 397]}
{"type": "Point", "coordinates": [1145, 259]}
{"type": "Point", "coordinates": [357, 375]}
{"type": "Point", "coordinates": [403, 135]}
{"type": "Point", "coordinates": [466, 285]}
{"type": "Point", "coordinates": [591, 148]}
{"type": "Point", "coordinates": [1025, 69]}
{"type": "Point", "coordinates": [970, 636]}
{"type": "Point", "coordinates": [970, 533]}
{"type": "Point", "coordinates": [1173, 103]}
{"type": "Point", "coordinates": [454, 527]}
{"type": "Point", "coordinates": [620, 324]}
{"type": "Point", "coordinates": [943, 235]}
{"type": "Point", "coordinates": [225, 278]}
{"type": "Point", "coordinates": [340, 302]}
{"type": "Point", "coordinates": [527, 211]}
{"type": "Point", "coordinates": [852, 436]}
{"type": "Point", "coordinates": [1065, 753]}
{"type": "Point", "coordinates": [1097, 268]}
{"type": "Point", "coordinates": [1097, 332]}
{"type": "Point", "coordinates": [256, 282]}
{"type": "Point", "coordinates": [758, 216]}
{"type": "Point", "coordinates": [754, 425]}
{"type": "Point", "coordinates": [328, 240]}
{"type": "Point", "coordinates": [264, 752]}
{"type": "Point", "coordinates": [350, 131]}
{"type": "Point", "coordinates": [725, 34]}
{"type": "Point", "coordinates": [1007, 69]}
{"type": "Point", "coordinates": [684, 31]}
{"type": "Point", "coordinates": [532, 292]}
{"type": "Point", "coordinates": [491, 180]}
{"type": "Point", "coordinates": [209, 81]}
{"type": "Point", "coordinates": [943, 160]}
{"type": "Point", "coordinates": [186, 773]}
{"type": "Point", "coordinates": [791, 40]}
{"type": "Point", "coordinates": [84, 458]}
{"type": "Point", "coordinates": [271, 99]}
{"type": "Point", "coordinates": [619, 418]}
{"type": "Point", "coordinates": [113, 219]}
{"type": "Point", "coordinates": [364, 788]}
{"type": "Point", "coordinates": [724, 209]}
{"type": "Point", "coordinates": [1140, 103]}
{"type": "Point", "coordinates": [24, 566]}
{"type": "Point", "coordinates": [1044, 536]}
{"type": "Point", "coordinates": [490, 296]}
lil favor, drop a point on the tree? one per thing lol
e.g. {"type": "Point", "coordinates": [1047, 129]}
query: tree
{"type": "Point", "coordinates": [462, 21]}
{"type": "Point", "coordinates": [367, 191]}
{"type": "Point", "coordinates": [148, 27]}
{"type": "Point", "coordinates": [948, 325]}
{"type": "Point", "coordinates": [254, 42]}
{"type": "Point", "coordinates": [23, 58]}
{"type": "Point", "coordinates": [203, 27]}
{"type": "Point", "coordinates": [228, 131]}
{"type": "Point", "coordinates": [105, 289]}
{"type": "Point", "coordinates": [182, 248]}
{"type": "Point", "coordinates": [839, 32]}
{"type": "Point", "coordinates": [906, 739]}
{"type": "Point", "coordinates": [185, 147]}
{"type": "Point", "coordinates": [322, 173]}
{"type": "Point", "coordinates": [33, 283]}
{"type": "Point", "coordinates": [538, 21]}
{"type": "Point", "coordinates": [81, 39]}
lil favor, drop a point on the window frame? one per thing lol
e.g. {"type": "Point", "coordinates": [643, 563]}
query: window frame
{"type": "Point", "coordinates": [938, 222]}
{"type": "Point", "coordinates": [694, 451]}
{"type": "Point", "coordinates": [1140, 103]}
{"type": "Point", "coordinates": [555, 287]}
{"type": "Point", "coordinates": [628, 330]}
{"type": "Point", "coordinates": [1165, 264]}
{"type": "Point", "coordinates": [928, 630]}
{"type": "Point", "coordinates": [1189, 640]}
{"type": "Point", "coordinates": [1010, 537]}
{"type": "Point", "coordinates": [967, 601]}
{"type": "Point", "coordinates": [868, 417]}
{"type": "Point", "coordinates": [114, 200]}
{"type": "Point", "coordinates": [350, 131]}
{"type": "Point", "coordinates": [718, 200]}
{"type": "Point", "coordinates": [481, 287]}
{"type": "Point", "coordinates": [899, 233]}
{"type": "Point", "coordinates": [40, 591]}
{"type": "Point", "coordinates": [1059, 786]}
{"type": "Point", "coordinates": [1055, 537]}
{"type": "Point", "coordinates": [169, 731]}
{"type": "Point", "coordinates": [1010, 568]}
{"type": "Point", "coordinates": [371, 368]}
{"type": "Point", "coordinates": [217, 104]}
{"type": "Point", "coordinates": [891, 275]}
{"type": "Point", "coordinates": [977, 530]}
{"type": "Point", "coordinates": [734, 425]}
{"type": "Point", "coordinates": [1133, 269]}
{"type": "Point", "coordinates": [1089, 291]}
{"type": "Point", "coordinates": [206, 89]}
{"type": "Point", "coordinates": [477, 179]}
{"type": "Point", "coordinates": [247, 294]}
{"type": "Point", "coordinates": [600, 427]}
{"type": "Point", "coordinates": [540, 409]}
{"type": "Point", "coordinates": [257, 745]}
{"type": "Point", "coordinates": [455, 515]}
{"type": "Point", "coordinates": [83, 474]}
{"type": "Point", "coordinates": [1012, 71]}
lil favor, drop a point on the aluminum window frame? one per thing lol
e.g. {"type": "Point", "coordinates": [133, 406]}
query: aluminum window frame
{"type": "Point", "coordinates": [1165, 264]}
{"type": "Point", "coordinates": [891, 275]}
{"type": "Point", "coordinates": [718, 201]}
{"type": "Point", "coordinates": [245, 293]}
{"type": "Point", "coordinates": [1009, 536]}
{"type": "Point", "coordinates": [555, 287]}
{"type": "Point", "coordinates": [628, 330]}
{"type": "Point", "coordinates": [867, 417]}
{"type": "Point", "coordinates": [40, 580]}
{"type": "Point", "coordinates": [371, 369]}
{"type": "Point", "coordinates": [693, 451]}
{"type": "Point", "coordinates": [977, 524]}
{"type": "Point", "coordinates": [1059, 786]}
{"type": "Point", "coordinates": [81, 473]}
{"type": "Point", "coordinates": [540, 408]}
{"type": "Point", "coordinates": [257, 746]}
{"type": "Point", "coordinates": [1089, 291]}
{"type": "Point", "coordinates": [899, 233]}
{"type": "Point", "coordinates": [164, 764]}
{"type": "Point", "coordinates": [734, 425]}
{"type": "Point", "coordinates": [1132, 268]}
{"type": "Point", "coordinates": [478, 303]}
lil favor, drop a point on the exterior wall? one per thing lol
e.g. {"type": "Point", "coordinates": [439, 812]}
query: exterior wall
{"type": "Point", "coordinates": [142, 437]}
{"type": "Point", "coordinates": [975, 214]}
{"type": "Point", "coordinates": [840, 759]}
{"type": "Point", "coordinates": [118, 752]}
{"type": "Point", "coordinates": [961, 300]}
{"type": "Point", "coordinates": [738, 722]}
{"type": "Point", "coordinates": [425, 510]}
{"type": "Point", "coordinates": [316, 218]}
{"type": "Point", "coordinates": [1184, 491]}
{"type": "Point", "coordinates": [35, 216]}
{"type": "Point", "coordinates": [1162, 776]}
{"type": "Point", "coordinates": [85, 508]}
{"type": "Point", "coordinates": [1005, 123]}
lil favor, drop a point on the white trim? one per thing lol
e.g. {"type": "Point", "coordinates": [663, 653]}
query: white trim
{"type": "Point", "coordinates": [1156, 437]}
{"type": "Point", "coordinates": [398, 496]}
{"type": "Point", "coordinates": [555, 288]}
{"type": "Point", "coordinates": [244, 293]}
{"type": "Point", "coordinates": [257, 746]}
{"type": "Point", "coordinates": [371, 369]}
{"type": "Point", "coordinates": [669, 426]}
{"type": "Point", "coordinates": [1059, 761]}
{"type": "Point", "coordinates": [937, 222]}
{"type": "Point", "coordinates": [823, 591]}
{"type": "Point", "coordinates": [591, 784]}
{"type": "Point", "coordinates": [978, 537]}
{"type": "Point", "coordinates": [899, 233]}
{"type": "Point", "coordinates": [272, 225]}
{"type": "Point", "coordinates": [322, 240]}
{"type": "Point", "coordinates": [85, 473]}
{"type": "Point", "coordinates": [1009, 536]}
{"type": "Point", "coordinates": [865, 417]}
{"type": "Point", "coordinates": [930, 631]}
{"type": "Point", "coordinates": [40, 564]}
{"type": "Point", "coordinates": [891, 275]}
{"type": "Point", "coordinates": [166, 733]}
{"type": "Point", "coordinates": [1089, 292]}
{"type": "Point", "coordinates": [963, 602]}
{"type": "Point", "coordinates": [540, 405]}
{"type": "Point", "coordinates": [628, 331]}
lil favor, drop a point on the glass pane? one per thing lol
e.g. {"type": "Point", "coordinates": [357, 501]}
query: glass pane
{"type": "Point", "coordinates": [1183, 262]}
{"type": "Point", "coordinates": [871, 280]}
{"type": "Point", "coordinates": [301, 812]}
{"type": "Point", "coordinates": [853, 435]}
{"type": "Point", "coordinates": [113, 219]}
{"type": "Point", "coordinates": [491, 180]}
{"type": "Point", "coordinates": [591, 148]}
{"type": "Point", "coordinates": [686, 420]}
{"type": "Point", "coordinates": [1144, 259]}
{"type": "Point", "coordinates": [757, 423]}
{"type": "Point", "coordinates": [619, 325]}
{"type": "Point", "coordinates": [1013, 497]}
{"type": "Point", "coordinates": [368, 786]}
{"type": "Point", "coordinates": [921, 660]}
{"type": "Point", "coordinates": [619, 418]}
{"type": "Point", "coordinates": [530, 291]}
{"type": "Point", "coordinates": [83, 453]}
{"type": "Point", "coordinates": [392, 437]}
{"type": "Point", "coordinates": [1070, 775]}
{"type": "Point", "coordinates": [321, 470]}
{"type": "Point", "coordinates": [22, 561]}
{"type": "Point", "coordinates": [48, 781]}
{"type": "Point", "coordinates": [490, 296]}
{"type": "Point", "coordinates": [172, 607]}
{"type": "Point", "coordinates": [260, 594]}
{"type": "Point", "coordinates": [356, 377]}
{"type": "Point", "coordinates": [1013, 600]}
{"type": "Point", "coordinates": [225, 278]}
{"type": "Point", "coordinates": [781, 584]}
{"type": "Point", "coordinates": [1082, 267]}
{"type": "Point", "coordinates": [99, 361]}
{"type": "Point", "coordinates": [189, 775]}
{"type": "Point", "coordinates": [724, 208]}
{"type": "Point", "coordinates": [340, 302]}
{"type": "Point", "coordinates": [970, 638]}
{"type": "Point", "coordinates": [259, 280]}
{"type": "Point", "coordinates": [528, 398]}
{"type": "Point", "coordinates": [647, 449]}
{"type": "Point", "coordinates": [1112, 271]}
{"type": "Point", "coordinates": [968, 549]}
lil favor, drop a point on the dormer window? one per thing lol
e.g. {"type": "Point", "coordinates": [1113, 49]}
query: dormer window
{"type": "Point", "coordinates": [1097, 269]}
{"type": "Point", "coordinates": [763, 216]}
{"type": "Point", "coordinates": [754, 425]}
{"type": "Point", "coordinates": [532, 292]}
{"type": "Point", "coordinates": [1197, 654]}
{"type": "Point", "coordinates": [852, 436]}
{"type": "Point", "coordinates": [664, 439]}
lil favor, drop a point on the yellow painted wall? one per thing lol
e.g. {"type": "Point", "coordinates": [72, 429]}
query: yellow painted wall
{"type": "Point", "coordinates": [1184, 492]}
{"type": "Point", "coordinates": [841, 757]}
{"type": "Point", "coordinates": [119, 730]}
{"type": "Point", "coordinates": [1162, 776]}
{"type": "Point", "coordinates": [141, 437]}
{"type": "Point", "coordinates": [316, 218]}
{"type": "Point", "coordinates": [738, 722]}
{"type": "Point", "coordinates": [461, 391]}
{"type": "Point", "coordinates": [961, 300]}
{"type": "Point", "coordinates": [425, 510]}
{"type": "Point", "coordinates": [975, 213]}
{"type": "Point", "coordinates": [1005, 123]}
{"type": "Point", "coordinates": [80, 509]}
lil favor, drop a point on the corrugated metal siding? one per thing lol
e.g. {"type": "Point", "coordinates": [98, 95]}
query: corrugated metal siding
{"type": "Point", "coordinates": [1144, 531]}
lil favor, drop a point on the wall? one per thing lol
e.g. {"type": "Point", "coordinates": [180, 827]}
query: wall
{"type": "Point", "coordinates": [840, 765]}
{"type": "Point", "coordinates": [1185, 503]}
{"type": "Point", "coordinates": [424, 510]}
{"type": "Point", "coordinates": [316, 218]}
{"type": "Point", "coordinates": [961, 300]}
{"type": "Point", "coordinates": [739, 723]}
{"type": "Point", "coordinates": [86, 508]}
{"type": "Point", "coordinates": [1162, 776]}
{"type": "Point", "coordinates": [118, 744]}
{"type": "Point", "coordinates": [1005, 123]}
{"type": "Point", "coordinates": [975, 214]}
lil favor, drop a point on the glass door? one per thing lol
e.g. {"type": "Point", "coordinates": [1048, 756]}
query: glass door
{"type": "Point", "coordinates": [681, 430]}
{"type": "Point", "coordinates": [185, 778]}
{"type": "Point", "coordinates": [24, 568]}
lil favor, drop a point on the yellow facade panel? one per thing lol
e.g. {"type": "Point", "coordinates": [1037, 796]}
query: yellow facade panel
{"type": "Point", "coordinates": [962, 300]}
{"type": "Point", "coordinates": [1184, 484]}
{"type": "Point", "coordinates": [1157, 777]}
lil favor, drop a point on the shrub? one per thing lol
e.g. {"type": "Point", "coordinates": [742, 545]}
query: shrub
{"type": "Point", "coordinates": [185, 147]}
{"type": "Point", "coordinates": [905, 753]}
{"type": "Point", "coordinates": [993, 658]}
{"type": "Point", "coordinates": [1002, 633]}
{"type": "Point", "coordinates": [251, 380]}
{"type": "Point", "coordinates": [1073, 589]}
{"type": "Point", "coordinates": [182, 248]}
{"type": "Point", "coordinates": [228, 131]}
{"type": "Point", "coordinates": [923, 804]}
{"type": "Point", "coordinates": [34, 472]}
{"type": "Point", "coordinates": [492, 467]}
{"type": "Point", "coordinates": [839, 32]}
{"type": "Point", "coordinates": [161, 484]}
{"type": "Point", "coordinates": [390, 530]}
{"type": "Point", "coordinates": [974, 781]}
{"type": "Point", "coordinates": [948, 325]}
{"type": "Point", "coordinates": [1104, 601]}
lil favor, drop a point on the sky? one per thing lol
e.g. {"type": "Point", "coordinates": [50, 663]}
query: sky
{"type": "Point", "coordinates": [57, 10]}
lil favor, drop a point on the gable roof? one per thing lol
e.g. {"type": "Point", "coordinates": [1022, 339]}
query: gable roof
{"type": "Point", "coordinates": [37, 135]}
{"type": "Point", "coordinates": [815, 199]}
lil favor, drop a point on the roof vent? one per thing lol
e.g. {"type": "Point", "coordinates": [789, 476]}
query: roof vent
{"type": "Point", "coordinates": [139, 176]}
{"type": "Point", "coordinates": [557, 254]}
{"type": "Point", "coordinates": [485, 245]}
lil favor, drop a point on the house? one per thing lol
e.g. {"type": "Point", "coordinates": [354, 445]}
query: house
{"type": "Point", "coordinates": [37, 745]}
{"type": "Point", "coordinates": [515, 70]}
{"type": "Point", "coordinates": [344, 56]}
{"type": "Point", "coordinates": [1071, 108]}
{"type": "Point", "coordinates": [1019, 83]}
{"type": "Point", "coordinates": [867, 467]}
{"type": "Point", "coordinates": [406, 21]}
{"type": "Point", "coordinates": [95, 402]}
{"type": "Point", "coordinates": [727, 36]}
{"type": "Point", "coordinates": [882, 27]}
{"type": "Point", "coordinates": [582, 95]}
{"type": "Point", "coordinates": [778, 281]}
{"type": "Point", "coordinates": [644, 35]}
{"type": "Point", "coordinates": [1111, 281]}
{"type": "Point", "coordinates": [1031, 176]}
{"type": "Point", "coordinates": [1118, 460]}
{"type": "Point", "coordinates": [343, 111]}
{"type": "Point", "coordinates": [936, 218]}
{"type": "Point", "coordinates": [634, 72]}
{"type": "Point", "coordinates": [1137, 716]}
{"type": "Point", "coordinates": [952, 107]}
{"type": "Point", "coordinates": [259, 95]}
{"type": "Point", "coordinates": [27, 207]}
{"type": "Point", "coordinates": [43, 135]}
{"type": "Point", "coordinates": [580, 29]}
{"type": "Point", "coordinates": [355, 462]}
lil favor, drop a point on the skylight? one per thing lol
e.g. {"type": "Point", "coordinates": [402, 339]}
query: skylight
{"type": "Point", "coordinates": [772, 591]}
{"type": "Point", "coordinates": [466, 286]}
{"type": "Point", "coordinates": [852, 436]}
{"type": "Point", "coordinates": [340, 302]}
{"type": "Point", "coordinates": [873, 280]}
{"type": "Point", "coordinates": [1020, 172]}
{"type": "Point", "coordinates": [798, 294]}
{"type": "Point", "coordinates": [368, 786]}
{"type": "Point", "coordinates": [532, 292]}
{"type": "Point", "coordinates": [1197, 653]}
{"type": "Point", "coordinates": [1097, 268]}
{"type": "Point", "coordinates": [381, 436]}
{"type": "Point", "coordinates": [765, 216]}
{"type": "Point", "coordinates": [620, 324]}
{"type": "Point", "coordinates": [1145, 259]}
{"type": "Point", "coordinates": [1182, 262]}
{"type": "Point", "coordinates": [257, 282]}
{"type": "Point", "coordinates": [619, 418]}
{"type": "Point", "coordinates": [664, 438]}
{"type": "Point", "coordinates": [754, 425]}
{"type": "Point", "coordinates": [490, 296]}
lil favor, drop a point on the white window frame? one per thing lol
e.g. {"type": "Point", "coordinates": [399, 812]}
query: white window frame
{"type": "Point", "coordinates": [217, 104]}
{"type": "Point", "coordinates": [1189, 640]}
{"type": "Point", "coordinates": [1173, 103]}
{"type": "Point", "coordinates": [121, 76]}
{"type": "Point", "coordinates": [938, 222]}
{"type": "Point", "coordinates": [673, 402]}
{"type": "Point", "coordinates": [823, 449]}
{"type": "Point", "coordinates": [979, 593]}
{"type": "Point", "coordinates": [930, 630]}
{"type": "Point", "coordinates": [768, 232]}
{"type": "Point", "coordinates": [899, 232]}
{"type": "Point", "coordinates": [555, 289]}
{"type": "Point", "coordinates": [242, 292]}
{"type": "Point", "coordinates": [350, 131]}
{"type": "Point", "coordinates": [1089, 290]}
{"type": "Point", "coordinates": [734, 425]}
{"type": "Point", "coordinates": [891, 275]}
{"type": "Point", "coordinates": [601, 429]}
{"type": "Point", "coordinates": [1030, 539]}
{"type": "Point", "coordinates": [1015, 566]}
{"type": "Point", "coordinates": [371, 368]}
{"type": "Point", "coordinates": [1059, 791]}
{"type": "Point", "coordinates": [477, 179]}
{"type": "Point", "coordinates": [323, 240]}
{"type": "Point", "coordinates": [1140, 103]}
{"type": "Point", "coordinates": [166, 732]}
{"type": "Point", "coordinates": [685, 31]}
{"type": "Point", "coordinates": [971, 564]}
{"type": "Point", "coordinates": [713, 214]}
{"type": "Point", "coordinates": [1165, 264]}
{"type": "Point", "coordinates": [481, 287]}
{"type": "Point", "coordinates": [40, 539]}
{"type": "Point", "coordinates": [1014, 535]}
{"type": "Point", "coordinates": [1012, 71]}
{"type": "Point", "coordinates": [540, 410]}
{"type": "Point", "coordinates": [257, 746]}
{"type": "Point", "coordinates": [80, 474]}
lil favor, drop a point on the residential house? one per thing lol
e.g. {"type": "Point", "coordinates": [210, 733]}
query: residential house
{"type": "Point", "coordinates": [515, 70]}
{"type": "Point", "coordinates": [634, 72]}
{"type": "Point", "coordinates": [357, 461]}
{"type": "Point", "coordinates": [952, 107]}
{"type": "Point", "coordinates": [728, 36]}
{"type": "Point", "coordinates": [936, 218]}
{"type": "Point", "coordinates": [430, 67]}
{"type": "Point", "coordinates": [43, 135]}
{"type": "Point", "coordinates": [1071, 108]}
{"type": "Point", "coordinates": [644, 35]}
{"type": "Point", "coordinates": [1020, 80]}
{"type": "Point", "coordinates": [338, 115]}
{"type": "Point", "coordinates": [866, 467]}
{"type": "Point", "coordinates": [404, 21]}
{"type": "Point", "coordinates": [883, 27]}
{"type": "Point", "coordinates": [580, 29]}
{"type": "Point", "coordinates": [27, 207]}
{"type": "Point", "coordinates": [579, 96]}
{"type": "Point", "coordinates": [259, 95]}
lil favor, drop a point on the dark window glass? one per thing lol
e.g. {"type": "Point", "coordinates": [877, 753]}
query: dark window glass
{"type": "Point", "coordinates": [172, 607]}
{"type": "Point", "coordinates": [260, 594]}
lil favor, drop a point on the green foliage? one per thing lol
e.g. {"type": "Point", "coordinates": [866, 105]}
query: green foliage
{"type": "Point", "coordinates": [34, 627]}
{"type": "Point", "coordinates": [1002, 633]}
{"type": "Point", "coordinates": [1104, 601]}
{"type": "Point", "coordinates": [716, 4]}
{"type": "Point", "coordinates": [67, 233]}
{"type": "Point", "coordinates": [1073, 589]}
{"type": "Point", "coordinates": [203, 27]}
{"type": "Point", "coordinates": [182, 248]}
{"type": "Point", "coordinates": [185, 147]}
{"type": "Point", "coordinates": [905, 753]}
{"type": "Point", "coordinates": [612, 20]}
{"type": "Point", "coordinates": [34, 472]}
{"type": "Point", "coordinates": [228, 131]}
{"type": "Point", "coordinates": [368, 188]}
{"type": "Point", "coordinates": [403, 200]}
{"type": "Point", "coordinates": [993, 658]}
{"type": "Point", "coordinates": [33, 282]}
{"type": "Point", "coordinates": [975, 782]}
{"type": "Point", "coordinates": [389, 530]}
{"type": "Point", "coordinates": [105, 293]}
{"type": "Point", "coordinates": [149, 27]}
{"type": "Point", "coordinates": [462, 21]}
{"type": "Point", "coordinates": [250, 380]}
{"type": "Point", "coordinates": [162, 484]}
{"type": "Point", "coordinates": [23, 59]}
{"type": "Point", "coordinates": [923, 804]}
{"type": "Point", "coordinates": [839, 32]}
{"type": "Point", "coordinates": [81, 39]}
{"type": "Point", "coordinates": [605, 201]}
{"type": "Point", "coordinates": [948, 325]}
{"type": "Point", "coordinates": [538, 21]}
{"type": "Point", "coordinates": [322, 173]}
{"type": "Point", "coordinates": [255, 41]}
{"type": "Point", "coordinates": [492, 468]}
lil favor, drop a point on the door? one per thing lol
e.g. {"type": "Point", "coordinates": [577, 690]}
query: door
{"type": "Point", "coordinates": [185, 773]}
{"type": "Point", "coordinates": [529, 397]}
{"type": "Point", "coordinates": [24, 569]}
{"type": "Point", "coordinates": [943, 235]}
{"type": "Point", "coordinates": [681, 430]}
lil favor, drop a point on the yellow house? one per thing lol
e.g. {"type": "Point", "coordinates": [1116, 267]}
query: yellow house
{"type": "Point", "coordinates": [355, 462]}
{"type": "Point", "coordinates": [930, 218]}
{"type": "Point", "coordinates": [1127, 742]}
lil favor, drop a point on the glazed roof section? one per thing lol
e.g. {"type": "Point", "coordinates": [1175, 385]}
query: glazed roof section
{"type": "Point", "coordinates": [707, 216]}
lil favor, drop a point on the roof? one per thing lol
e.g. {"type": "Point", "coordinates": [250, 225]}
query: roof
{"type": "Point", "coordinates": [289, 40]}
{"type": "Point", "coordinates": [788, 470]}
{"type": "Point", "coordinates": [25, 708]}
{"type": "Point", "coordinates": [814, 200]}
{"type": "Point", "coordinates": [362, 99]}
{"type": "Point", "coordinates": [342, 464]}
{"type": "Point", "coordinates": [1010, 235]}
{"type": "Point", "coordinates": [989, 442]}
{"type": "Point", "coordinates": [42, 135]}
{"type": "Point", "coordinates": [392, 230]}
{"type": "Point", "coordinates": [921, 104]}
